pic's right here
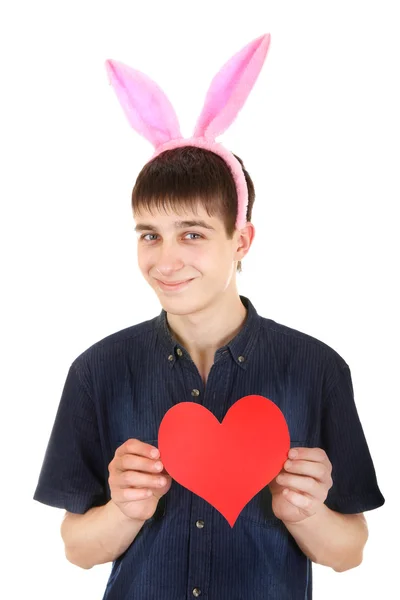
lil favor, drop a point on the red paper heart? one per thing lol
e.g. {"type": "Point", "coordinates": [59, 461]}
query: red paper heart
{"type": "Point", "coordinates": [225, 463]}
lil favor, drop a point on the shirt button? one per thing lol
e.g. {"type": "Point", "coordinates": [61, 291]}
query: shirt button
{"type": "Point", "coordinates": [195, 392]}
{"type": "Point", "coordinates": [241, 359]}
{"type": "Point", "coordinates": [179, 352]}
{"type": "Point", "coordinates": [196, 592]}
{"type": "Point", "coordinates": [199, 524]}
{"type": "Point", "coordinates": [171, 357]}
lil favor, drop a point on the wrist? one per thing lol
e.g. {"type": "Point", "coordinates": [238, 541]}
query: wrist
{"type": "Point", "coordinates": [118, 514]}
{"type": "Point", "coordinates": [312, 519]}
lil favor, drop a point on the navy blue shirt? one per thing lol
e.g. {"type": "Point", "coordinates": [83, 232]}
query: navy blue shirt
{"type": "Point", "coordinates": [122, 386]}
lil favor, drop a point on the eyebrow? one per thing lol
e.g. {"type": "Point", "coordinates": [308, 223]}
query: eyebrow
{"type": "Point", "coordinates": [177, 224]}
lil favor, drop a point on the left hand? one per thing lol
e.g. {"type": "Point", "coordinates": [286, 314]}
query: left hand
{"type": "Point", "coordinates": [301, 488]}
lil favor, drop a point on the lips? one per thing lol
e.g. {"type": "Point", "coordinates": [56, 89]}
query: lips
{"type": "Point", "coordinates": [174, 286]}
{"type": "Point", "coordinates": [173, 282]}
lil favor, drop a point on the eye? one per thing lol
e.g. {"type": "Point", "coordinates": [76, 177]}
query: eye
{"type": "Point", "coordinates": [143, 237]}
{"type": "Point", "coordinates": [191, 233]}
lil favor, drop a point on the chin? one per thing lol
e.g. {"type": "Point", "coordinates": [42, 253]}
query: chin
{"type": "Point", "coordinates": [181, 305]}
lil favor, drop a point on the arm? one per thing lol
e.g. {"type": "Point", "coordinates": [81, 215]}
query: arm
{"type": "Point", "coordinates": [99, 536]}
{"type": "Point", "coordinates": [299, 493]}
{"type": "Point", "coordinates": [96, 530]}
{"type": "Point", "coordinates": [103, 533]}
{"type": "Point", "coordinates": [322, 493]}
{"type": "Point", "coordinates": [332, 539]}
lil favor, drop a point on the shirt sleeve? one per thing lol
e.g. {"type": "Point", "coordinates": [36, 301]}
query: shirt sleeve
{"type": "Point", "coordinates": [72, 475]}
{"type": "Point", "coordinates": [355, 488]}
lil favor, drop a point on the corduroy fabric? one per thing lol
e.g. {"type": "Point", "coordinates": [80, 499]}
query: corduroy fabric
{"type": "Point", "coordinates": [121, 387]}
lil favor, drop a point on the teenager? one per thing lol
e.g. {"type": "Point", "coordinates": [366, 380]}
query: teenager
{"type": "Point", "coordinates": [192, 206]}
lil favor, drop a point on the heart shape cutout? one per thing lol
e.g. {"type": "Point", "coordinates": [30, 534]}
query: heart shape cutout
{"type": "Point", "coordinates": [226, 463]}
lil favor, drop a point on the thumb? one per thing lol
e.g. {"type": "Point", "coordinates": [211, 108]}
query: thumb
{"type": "Point", "coordinates": [274, 486]}
{"type": "Point", "coordinates": [162, 491]}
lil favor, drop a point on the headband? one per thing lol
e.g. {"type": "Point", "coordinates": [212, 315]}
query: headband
{"type": "Point", "coordinates": [151, 114]}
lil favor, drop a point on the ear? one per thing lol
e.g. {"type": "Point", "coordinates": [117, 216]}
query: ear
{"type": "Point", "coordinates": [245, 240]}
{"type": "Point", "coordinates": [230, 88]}
{"type": "Point", "coordinates": [146, 106]}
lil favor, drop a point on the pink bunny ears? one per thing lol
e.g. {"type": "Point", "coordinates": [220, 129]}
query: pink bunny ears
{"type": "Point", "coordinates": [151, 114]}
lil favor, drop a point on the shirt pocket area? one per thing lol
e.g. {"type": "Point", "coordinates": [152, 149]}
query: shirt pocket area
{"type": "Point", "coordinates": [259, 509]}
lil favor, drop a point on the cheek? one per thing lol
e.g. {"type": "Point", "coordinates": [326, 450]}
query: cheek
{"type": "Point", "coordinates": [220, 257]}
{"type": "Point", "coordinates": [144, 261]}
{"type": "Point", "coordinates": [212, 260]}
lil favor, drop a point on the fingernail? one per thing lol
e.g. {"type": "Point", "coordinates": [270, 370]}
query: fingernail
{"type": "Point", "coordinates": [158, 466]}
{"type": "Point", "coordinates": [154, 453]}
{"type": "Point", "coordinates": [162, 481]}
{"type": "Point", "coordinates": [293, 453]}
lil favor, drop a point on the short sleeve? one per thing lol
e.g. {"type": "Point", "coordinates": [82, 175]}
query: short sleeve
{"type": "Point", "coordinates": [72, 474]}
{"type": "Point", "coordinates": [355, 488]}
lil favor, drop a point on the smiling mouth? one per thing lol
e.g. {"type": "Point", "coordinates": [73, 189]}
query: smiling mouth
{"type": "Point", "coordinates": [173, 282]}
{"type": "Point", "coordinates": [174, 285]}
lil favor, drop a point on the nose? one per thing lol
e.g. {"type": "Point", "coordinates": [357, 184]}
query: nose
{"type": "Point", "coordinates": [168, 260]}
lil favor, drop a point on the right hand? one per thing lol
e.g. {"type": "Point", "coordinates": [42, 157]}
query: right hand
{"type": "Point", "coordinates": [135, 479]}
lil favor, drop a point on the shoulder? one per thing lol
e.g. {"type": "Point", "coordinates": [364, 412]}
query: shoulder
{"type": "Point", "coordinates": [125, 341]}
{"type": "Point", "coordinates": [288, 341]}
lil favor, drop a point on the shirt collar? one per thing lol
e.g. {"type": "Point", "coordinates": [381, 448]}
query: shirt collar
{"type": "Point", "coordinates": [240, 347]}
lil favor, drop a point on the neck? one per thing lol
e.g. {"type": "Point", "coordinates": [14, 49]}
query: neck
{"type": "Point", "coordinates": [203, 332]}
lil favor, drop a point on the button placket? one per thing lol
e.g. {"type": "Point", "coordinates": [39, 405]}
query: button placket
{"type": "Point", "coordinates": [201, 513]}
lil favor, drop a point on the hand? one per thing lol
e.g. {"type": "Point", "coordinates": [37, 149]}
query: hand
{"type": "Point", "coordinates": [135, 479]}
{"type": "Point", "coordinates": [301, 488]}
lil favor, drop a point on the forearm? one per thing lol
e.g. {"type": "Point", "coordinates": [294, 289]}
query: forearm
{"type": "Point", "coordinates": [332, 539]}
{"type": "Point", "coordinates": [99, 536]}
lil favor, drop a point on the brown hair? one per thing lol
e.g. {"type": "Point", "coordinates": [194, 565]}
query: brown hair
{"type": "Point", "coordinates": [183, 177]}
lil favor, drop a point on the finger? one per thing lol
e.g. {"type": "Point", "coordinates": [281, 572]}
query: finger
{"type": "Point", "coordinates": [305, 503]}
{"type": "Point", "coordinates": [133, 446]}
{"type": "Point", "coordinates": [129, 494]}
{"type": "Point", "coordinates": [135, 479]}
{"type": "Point", "coordinates": [312, 454]}
{"type": "Point", "coordinates": [316, 470]}
{"type": "Point", "coordinates": [301, 483]}
{"type": "Point", "coordinates": [134, 462]}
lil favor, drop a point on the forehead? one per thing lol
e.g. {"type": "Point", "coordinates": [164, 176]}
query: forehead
{"type": "Point", "coordinates": [170, 219]}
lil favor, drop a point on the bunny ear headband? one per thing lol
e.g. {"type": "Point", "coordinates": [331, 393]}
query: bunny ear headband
{"type": "Point", "coordinates": [151, 114]}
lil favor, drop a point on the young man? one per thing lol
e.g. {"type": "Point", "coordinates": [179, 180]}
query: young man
{"type": "Point", "coordinates": [208, 345]}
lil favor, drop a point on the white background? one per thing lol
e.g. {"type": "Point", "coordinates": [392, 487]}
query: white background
{"type": "Point", "coordinates": [319, 135]}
